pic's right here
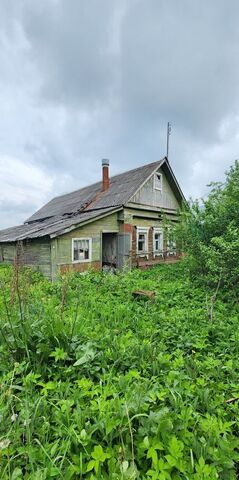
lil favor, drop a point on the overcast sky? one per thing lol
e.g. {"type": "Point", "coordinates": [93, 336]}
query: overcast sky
{"type": "Point", "coordinates": [85, 79]}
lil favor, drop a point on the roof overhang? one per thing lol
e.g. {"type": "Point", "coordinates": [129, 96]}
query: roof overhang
{"type": "Point", "coordinates": [86, 222]}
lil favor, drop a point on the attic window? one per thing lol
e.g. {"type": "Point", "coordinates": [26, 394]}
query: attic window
{"type": "Point", "coordinates": [158, 181]}
{"type": "Point", "coordinates": [81, 250]}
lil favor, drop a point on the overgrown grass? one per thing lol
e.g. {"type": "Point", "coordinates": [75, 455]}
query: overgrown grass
{"type": "Point", "coordinates": [95, 384]}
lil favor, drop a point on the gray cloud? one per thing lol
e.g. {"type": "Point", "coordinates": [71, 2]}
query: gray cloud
{"type": "Point", "coordinates": [89, 79]}
{"type": "Point", "coordinates": [180, 61]}
{"type": "Point", "coordinates": [70, 45]}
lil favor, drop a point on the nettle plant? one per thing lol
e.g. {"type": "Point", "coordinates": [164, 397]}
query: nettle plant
{"type": "Point", "coordinates": [96, 384]}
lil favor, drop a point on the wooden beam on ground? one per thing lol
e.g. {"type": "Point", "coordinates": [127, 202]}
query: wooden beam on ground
{"type": "Point", "coordinates": [143, 294]}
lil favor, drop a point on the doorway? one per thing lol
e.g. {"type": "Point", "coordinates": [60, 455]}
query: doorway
{"type": "Point", "coordinates": [115, 250]}
{"type": "Point", "coordinates": [109, 250]}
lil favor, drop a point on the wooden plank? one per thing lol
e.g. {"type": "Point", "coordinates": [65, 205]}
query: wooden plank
{"type": "Point", "coordinates": [143, 294]}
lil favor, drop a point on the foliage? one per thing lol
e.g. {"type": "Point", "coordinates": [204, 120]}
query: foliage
{"type": "Point", "coordinates": [98, 385]}
{"type": "Point", "coordinates": [209, 233]}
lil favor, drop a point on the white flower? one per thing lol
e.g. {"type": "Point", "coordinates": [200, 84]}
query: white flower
{"type": "Point", "coordinates": [14, 417]}
{"type": "Point", "coordinates": [26, 422]}
{"type": "Point", "coordinates": [4, 443]}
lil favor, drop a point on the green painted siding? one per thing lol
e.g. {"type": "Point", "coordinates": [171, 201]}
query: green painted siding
{"type": "Point", "coordinates": [49, 256]}
{"type": "Point", "coordinates": [61, 247]}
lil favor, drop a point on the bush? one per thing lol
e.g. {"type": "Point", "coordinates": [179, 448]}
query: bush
{"type": "Point", "coordinates": [98, 385]}
{"type": "Point", "coordinates": [209, 233]}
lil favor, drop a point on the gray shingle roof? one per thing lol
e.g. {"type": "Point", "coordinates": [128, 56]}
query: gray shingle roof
{"type": "Point", "coordinates": [121, 189]}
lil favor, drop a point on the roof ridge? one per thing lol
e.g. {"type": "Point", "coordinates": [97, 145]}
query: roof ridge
{"type": "Point", "coordinates": [121, 188]}
{"type": "Point", "coordinates": [111, 178]}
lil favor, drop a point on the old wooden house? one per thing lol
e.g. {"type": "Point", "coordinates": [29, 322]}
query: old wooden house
{"type": "Point", "coordinates": [115, 222]}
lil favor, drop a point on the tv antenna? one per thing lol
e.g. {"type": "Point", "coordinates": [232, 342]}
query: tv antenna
{"type": "Point", "coordinates": [169, 129]}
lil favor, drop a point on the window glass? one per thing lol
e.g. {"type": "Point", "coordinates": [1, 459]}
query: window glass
{"type": "Point", "coordinates": [158, 181]}
{"type": "Point", "coordinates": [81, 249]}
{"type": "Point", "coordinates": [158, 241]}
{"type": "Point", "coordinates": [141, 242]}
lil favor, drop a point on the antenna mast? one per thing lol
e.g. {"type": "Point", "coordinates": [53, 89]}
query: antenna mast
{"type": "Point", "coordinates": [169, 128]}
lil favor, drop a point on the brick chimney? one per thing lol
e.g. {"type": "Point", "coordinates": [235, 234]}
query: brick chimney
{"type": "Point", "coordinates": [105, 174]}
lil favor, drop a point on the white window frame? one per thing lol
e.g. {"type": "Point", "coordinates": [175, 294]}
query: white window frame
{"type": "Point", "coordinates": [90, 249]}
{"type": "Point", "coordinates": [158, 174]}
{"type": "Point", "coordinates": [158, 253]}
{"type": "Point", "coordinates": [144, 230]}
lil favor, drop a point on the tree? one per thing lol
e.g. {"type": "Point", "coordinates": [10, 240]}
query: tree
{"type": "Point", "coordinates": [209, 232]}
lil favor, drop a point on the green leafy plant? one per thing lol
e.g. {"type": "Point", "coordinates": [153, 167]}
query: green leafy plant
{"type": "Point", "coordinates": [98, 386]}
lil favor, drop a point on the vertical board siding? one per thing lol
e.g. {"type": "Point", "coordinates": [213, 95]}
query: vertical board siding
{"type": "Point", "coordinates": [34, 254]}
{"type": "Point", "coordinates": [8, 252]}
{"type": "Point", "coordinates": [54, 258]}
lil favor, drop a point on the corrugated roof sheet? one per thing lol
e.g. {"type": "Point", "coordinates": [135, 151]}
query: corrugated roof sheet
{"type": "Point", "coordinates": [86, 204]}
{"type": "Point", "coordinates": [52, 226]}
{"type": "Point", "coordinates": [121, 189]}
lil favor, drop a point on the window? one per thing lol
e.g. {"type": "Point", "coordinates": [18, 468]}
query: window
{"type": "Point", "coordinates": [171, 246]}
{"type": "Point", "coordinates": [158, 240]}
{"type": "Point", "coordinates": [158, 181]}
{"type": "Point", "coordinates": [142, 240]}
{"type": "Point", "coordinates": [81, 249]}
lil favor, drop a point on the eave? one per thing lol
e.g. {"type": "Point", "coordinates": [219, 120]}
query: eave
{"type": "Point", "coordinates": [82, 224]}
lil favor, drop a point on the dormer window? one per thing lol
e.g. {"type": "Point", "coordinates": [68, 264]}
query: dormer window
{"type": "Point", "coordinates": [158, 181]}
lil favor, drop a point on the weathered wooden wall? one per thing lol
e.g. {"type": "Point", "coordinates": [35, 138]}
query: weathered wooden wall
{"type": "Point", "coordinates": [7, 252]}
{"type": "Point", "coordinates": [35, 254]}
{"type": "Point", "coordinates": [132, 218]}
{"type": "Point", "coordinates": [61, 247]}
{"type": "Point", "coordinates": [146, 218]}
{"type": "Point", "coordinates": [148, 195]}
{"type": "Point", "coordinates": [54, 256]}
{"type": "Point", "coordinates": [126, 221]}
